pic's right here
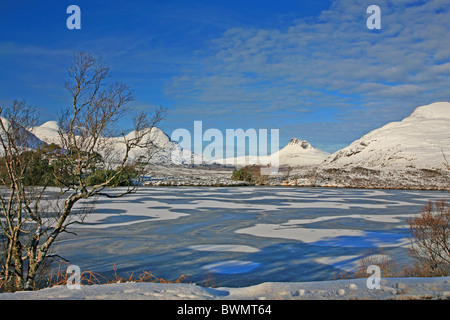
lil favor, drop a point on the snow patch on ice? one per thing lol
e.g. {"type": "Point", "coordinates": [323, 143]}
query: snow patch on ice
{"type": "Point", "coordinates": [328, 237]}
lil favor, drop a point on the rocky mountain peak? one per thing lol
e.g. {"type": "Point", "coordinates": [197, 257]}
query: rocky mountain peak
{"type": "Point", "coordinates": [302, 143]}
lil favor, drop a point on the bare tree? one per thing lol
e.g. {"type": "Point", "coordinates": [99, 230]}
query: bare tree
{"type": "Point", "coordinates": [30, 219]}
{"type": "Point", "coordinates": [17, 202]}
{"type": "Point", "coordinates": [430, 239]}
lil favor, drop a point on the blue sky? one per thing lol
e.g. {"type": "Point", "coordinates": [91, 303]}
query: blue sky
{"type": "Point", "coordinates": [311, 69]}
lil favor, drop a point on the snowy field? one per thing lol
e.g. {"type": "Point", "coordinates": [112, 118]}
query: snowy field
{"type": "Point", "coordinates": [390, 289]}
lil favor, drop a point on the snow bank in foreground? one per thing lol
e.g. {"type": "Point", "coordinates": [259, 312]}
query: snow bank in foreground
{"type": "Point", "coordinates": [390, 288]}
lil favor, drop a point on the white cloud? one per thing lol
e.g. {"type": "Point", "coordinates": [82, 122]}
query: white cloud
{"type": "Point", "coordinates": [335, 57]}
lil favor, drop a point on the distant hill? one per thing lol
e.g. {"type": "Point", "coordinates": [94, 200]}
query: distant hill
{"type": "Point", "coordinates": [296, 153]}
{"type": "Point", "coordinates": [169, 152]}
{"type": "Point", "coordinates": [418, 141]}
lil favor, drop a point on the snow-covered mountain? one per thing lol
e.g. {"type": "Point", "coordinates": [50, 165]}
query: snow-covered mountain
{"type": "Point", "coordinates": [169, 152]}
{"type": "Point", "coordinates": [47, 132]}
{"type": "Point", "coordinates": [418, 141]}
{"type": "Point", "coordinates": [296, 153]}
{"type": "Point", "coordinates": [300, 153]}
{"type": "Point", "coordinates": [29, 139]}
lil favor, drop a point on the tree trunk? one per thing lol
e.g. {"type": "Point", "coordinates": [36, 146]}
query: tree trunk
{"type": "Point", "coordinates": [37, 255]}
{"type": "Point", "coordinates": [18, 265]}
{"type": "Point", "coordinates": [34, 261]}
{"type": "Point", "coordinates": [33, 270]}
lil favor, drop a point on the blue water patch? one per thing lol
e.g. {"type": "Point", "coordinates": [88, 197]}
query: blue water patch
{"type": "Point", "coordinates": [369, 239]}
{"type": "Point", "coordinates": [231, 266]}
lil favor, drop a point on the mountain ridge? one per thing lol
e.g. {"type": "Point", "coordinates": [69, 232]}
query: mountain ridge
{"type": "Point", "coordinates": [168, 151]}
{"type": "Point", "coordinates": [296, 153]}
{"type": "Point", "coordinates": [418, 141]}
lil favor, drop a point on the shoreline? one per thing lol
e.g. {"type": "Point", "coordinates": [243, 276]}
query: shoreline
{"type": "Point", "coordinates": [436, 288]}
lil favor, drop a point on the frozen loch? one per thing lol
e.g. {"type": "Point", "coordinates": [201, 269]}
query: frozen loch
{"type": "Point", "coordinates": [241, 236]}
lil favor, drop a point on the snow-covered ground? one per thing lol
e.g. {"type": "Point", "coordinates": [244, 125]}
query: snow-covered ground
{"type": "Point", "coordinates": [359, 177]}
{"type": "Point", "coordinates": [389, 288]}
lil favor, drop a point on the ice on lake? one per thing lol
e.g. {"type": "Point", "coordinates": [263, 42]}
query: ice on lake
{"type": "Point", "coordinates": [243, 235]}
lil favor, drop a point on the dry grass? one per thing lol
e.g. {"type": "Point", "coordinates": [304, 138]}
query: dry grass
{"type": "Point", "coordinates": [144, 276]}
{"type": "Point", "coordinates": [59, 277]}
{"type": "Point", "coordinates": [430, 240]}
{"type": "Point", "coordinates": [388, 267]}
{"type": "Point", "coordinates": [209, 281]}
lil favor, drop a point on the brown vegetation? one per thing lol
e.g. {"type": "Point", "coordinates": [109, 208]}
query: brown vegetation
{"type": "Point", "coordinates": [430, 240]}
{"type": "Point", "coordinates": [389, 267]}
{"type": "Point", "coordinates": [60, 277]}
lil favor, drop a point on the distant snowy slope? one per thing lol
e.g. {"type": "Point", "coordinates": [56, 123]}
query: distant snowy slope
{"type": "Point", "coordinates": [417, 141]}
{"type": "Point", "coordinates": [32, 141]}
{"type": "Point", "coordinates": [295, 154]}
{"type": "Point", "coordinates": [47, 132]}
{"type": "Point", "coordinates": [169, 152]}
{"type": "Point", "coordinates": [300, 153]}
